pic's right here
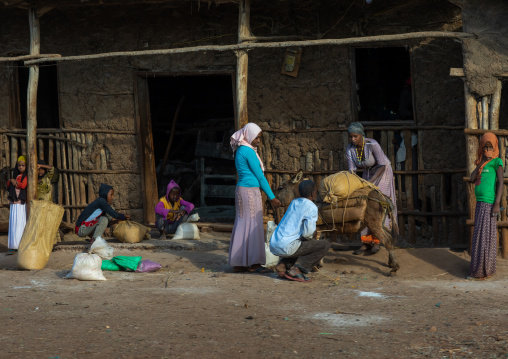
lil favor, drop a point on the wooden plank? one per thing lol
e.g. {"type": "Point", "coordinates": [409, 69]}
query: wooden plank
{"type": "Point", "coordinates": [495, 105]}
{"type": "Point", "coordinates": [433, 206]}
{"type": "Point", "coordinates": [147, 156]}
{"type": "Point", "coordinates": [59, 166]}
{"type": "Point", "coordinates": [14, 152]}
{"type": "Point", "coordinates": [41, 150]}
{"type": "Point", "coordinates": [7, 152]}
{"type": "Point", "coordinates": [504, 231]}
{"type": "Point", "coordinates": [242, 64]}
{"type": "Point", "coordinates": [80, 137]}
{"type": "Point", "coordinates": [409, 186]}
{"type": "Point", "coordinates": [485, 112]}
{"type": "Point", "coordinates": [90, 192]}
{"type": "Point", "coordinates": [65, 178]}
{"type": "Point", "coordinates": [455, 220]}
{"type": "Point", "coordinates": [391, 149]}
{"type": "Point", "coordinates": [23, 145]}
{"type": "Point", "coordinates": [442, 205]}
{"type": "Point", "coordinates": [31, 123]}
{"type": "Point", "coordinates": [422, 192]}
{"type": "Point", "coordinates": [51, 149]}
{"type": "Point", "coordinates": [400, 207]}
{"type": "Point", "coordinates": [72, 181]}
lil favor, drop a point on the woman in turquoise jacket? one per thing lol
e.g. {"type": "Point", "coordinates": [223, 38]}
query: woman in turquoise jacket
{"type": "Point", "coordinates": [247, 247]}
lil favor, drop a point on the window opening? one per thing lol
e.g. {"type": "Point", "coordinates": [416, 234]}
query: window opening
{"type": "Point", "coordinates": [47, 95]}
{"type": "Point", "coordinates": [383, 80]}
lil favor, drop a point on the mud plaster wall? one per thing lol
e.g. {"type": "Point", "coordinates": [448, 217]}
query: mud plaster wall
{"type": "Point", "coordinates": [100, 94]}
{"type": "Point", "coordinates": [486, 56]}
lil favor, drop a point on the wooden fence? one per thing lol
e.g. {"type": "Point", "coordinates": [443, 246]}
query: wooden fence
{"type": "Point", "coordinates": [439, 215]}
{"type": "Point", "coordinates": [62, 148]}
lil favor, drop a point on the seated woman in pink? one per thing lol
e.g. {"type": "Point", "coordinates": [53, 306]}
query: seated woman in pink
{"type": "Point", "coordinates": [171, 210]}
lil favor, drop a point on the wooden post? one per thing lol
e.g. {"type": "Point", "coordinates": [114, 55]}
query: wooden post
{"type": "Point", "coordinates": [472, 147]}
{"type": "Point", "coordinates": [504, 231]}
{"type": "Point", "coordinates": [409, 186]}
{"type": "Point", "coordinates": [485, 112]}
{"type": "Point", "coordinates": [31, 118]}
{"type": "Point", "coordinates": [242, 64]}
{"type": "Point", "coordinates": [494, 106]}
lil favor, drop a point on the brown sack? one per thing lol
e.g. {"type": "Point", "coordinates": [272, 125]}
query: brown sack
{"type": "Point", "coordinates": [332, 214]}
{"type": "Point", "coordinates": [131, 232]}
{"type": "Point", "coordinates": [338, 186]}
{"type": "Point", "coordinates": [39, 234]}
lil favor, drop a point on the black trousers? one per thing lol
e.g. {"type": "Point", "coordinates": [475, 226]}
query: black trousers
{"type": "Point", "coordinates": [308, 255]}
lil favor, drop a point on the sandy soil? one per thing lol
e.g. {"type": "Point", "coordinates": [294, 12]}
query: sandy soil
{"type": "Point", "coordinates": [195, 307]}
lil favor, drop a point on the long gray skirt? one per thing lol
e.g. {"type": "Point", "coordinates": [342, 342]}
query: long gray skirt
{"type": "Point", "coordinates": [484, 246]}
{"type": "Point", "coordinates": [247, 245]}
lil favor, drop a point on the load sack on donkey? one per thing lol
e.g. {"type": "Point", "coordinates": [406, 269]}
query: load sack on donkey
{"type": "Point", "coordinates": [341, 185]}
{"type": "Point", "coordinates": [351, 209]}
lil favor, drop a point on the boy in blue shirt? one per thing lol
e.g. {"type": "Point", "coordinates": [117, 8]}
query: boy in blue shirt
{"type": "Point", "coordinates": [294, 239]}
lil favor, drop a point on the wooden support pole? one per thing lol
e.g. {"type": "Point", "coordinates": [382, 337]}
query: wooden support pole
{"type": "Point", "coordinates": [31, 125]}
{"type": "Point", "coordinates": [242, 64]}
{"type": "Point", "coordinates": [409, 186]}
{"type": "Point", "coordinates": [472, 147]}
{"type": "Point", "coordinates": [485, 112]}
{"type": "Point", "coordinates": [494, 106]}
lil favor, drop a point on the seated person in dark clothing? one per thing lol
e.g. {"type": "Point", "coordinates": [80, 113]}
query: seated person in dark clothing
{"type": "Point", "coordinates": [96, 217]}
{"type": "Point", "coordinates": [294, 239]}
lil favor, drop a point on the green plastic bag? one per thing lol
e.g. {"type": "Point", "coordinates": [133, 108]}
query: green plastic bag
{"type": "Point", "coordinates": [126, 262]}
{"type": "Point", "coordinates": [109, 265]}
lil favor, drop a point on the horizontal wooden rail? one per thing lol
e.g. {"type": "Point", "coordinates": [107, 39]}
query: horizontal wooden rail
{"type": "Point", "coordinates": [431, 214]}
{"type": "Point", "coordinates": [367, 128]}
{"type": "Point", "coordinates": [248, 46]}
{"type": "Point", "coordinates": [470, 131]}
{"type": "Point", "coordinates": [468, 179]}
{"type": "Point", "coordinates": [100, 172]}
{"type": "Point", "coordinates": [500, 224]}
{"type": "Point", "coordinates": [18, 135]}
{"type": "Point", "coordinates": [415, 172]}
{"type": "Point", "coordinates": [68, 130]}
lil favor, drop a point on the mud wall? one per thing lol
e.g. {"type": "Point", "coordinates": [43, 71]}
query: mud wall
{"type": "Point", "coordinates": [99, 94]}
{"type": "Point", "coordinates": [486, 56]}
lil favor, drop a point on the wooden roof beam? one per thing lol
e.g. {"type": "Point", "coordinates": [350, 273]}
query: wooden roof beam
{"type": "Point", "coordinates": [248, 46]}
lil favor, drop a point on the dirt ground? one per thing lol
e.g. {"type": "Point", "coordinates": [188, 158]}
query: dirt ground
{"type": "Point", "coordinates": [196, 307]}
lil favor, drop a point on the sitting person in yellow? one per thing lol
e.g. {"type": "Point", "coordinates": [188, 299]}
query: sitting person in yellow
{"type": "Point", "coordinates": [47, 176]}
{"type": "Point", "coordinates": [171, 210]}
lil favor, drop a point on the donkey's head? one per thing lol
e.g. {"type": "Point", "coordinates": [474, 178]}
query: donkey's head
{"type": "Point", "coordinates": [288, 190]}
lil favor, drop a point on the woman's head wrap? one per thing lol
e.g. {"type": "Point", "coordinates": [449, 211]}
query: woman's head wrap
{"type": "Point", "coordinates": [487, 137]}
{"type": "Point", "coordinates": [356, 127]}
{"type": "Point", "coordinates": [22, 158]}
{"type": "Point", "coordinates": [244, 137]}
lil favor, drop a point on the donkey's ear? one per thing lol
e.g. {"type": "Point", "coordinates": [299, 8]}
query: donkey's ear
{"type": "Point", "coordinates": [298, 177]}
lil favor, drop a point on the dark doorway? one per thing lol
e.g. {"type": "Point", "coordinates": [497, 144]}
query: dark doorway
{"type": "Point", "coordinates": [199, 158]}
{"type": "Point", "coordinates": [47, 96]}
{"type": "Point", "coordinates": [503, 108]}
{"type": "Point", "coordinates": [383, 84]}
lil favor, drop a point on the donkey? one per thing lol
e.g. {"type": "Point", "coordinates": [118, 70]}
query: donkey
{"type": "Point", "coordinates": [378, 208]}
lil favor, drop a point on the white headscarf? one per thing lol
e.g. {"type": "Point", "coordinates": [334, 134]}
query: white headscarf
{"type": "Point", "coordinates": [244, 137]}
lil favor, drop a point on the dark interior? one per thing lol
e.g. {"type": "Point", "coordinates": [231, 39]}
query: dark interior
{"type": "Point", "coordinates": [201, 139]}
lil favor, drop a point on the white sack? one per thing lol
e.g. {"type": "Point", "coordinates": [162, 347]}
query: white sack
{"type": "Point", "coordinates": [86, 267]}
{"type": "Point", "coordinates": [187, 231]}
{"type": "Point", "coordinates": [101, 248]}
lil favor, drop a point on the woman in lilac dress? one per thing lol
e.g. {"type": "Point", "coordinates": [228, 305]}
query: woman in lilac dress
{"type": "Point", "coordinates": [366, 153]}
{"type": "Point", "coordinates": [247, 247]}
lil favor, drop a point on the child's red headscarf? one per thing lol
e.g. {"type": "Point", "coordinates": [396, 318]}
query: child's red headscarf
{"type": "Point", "coordinates": [487, 137]}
